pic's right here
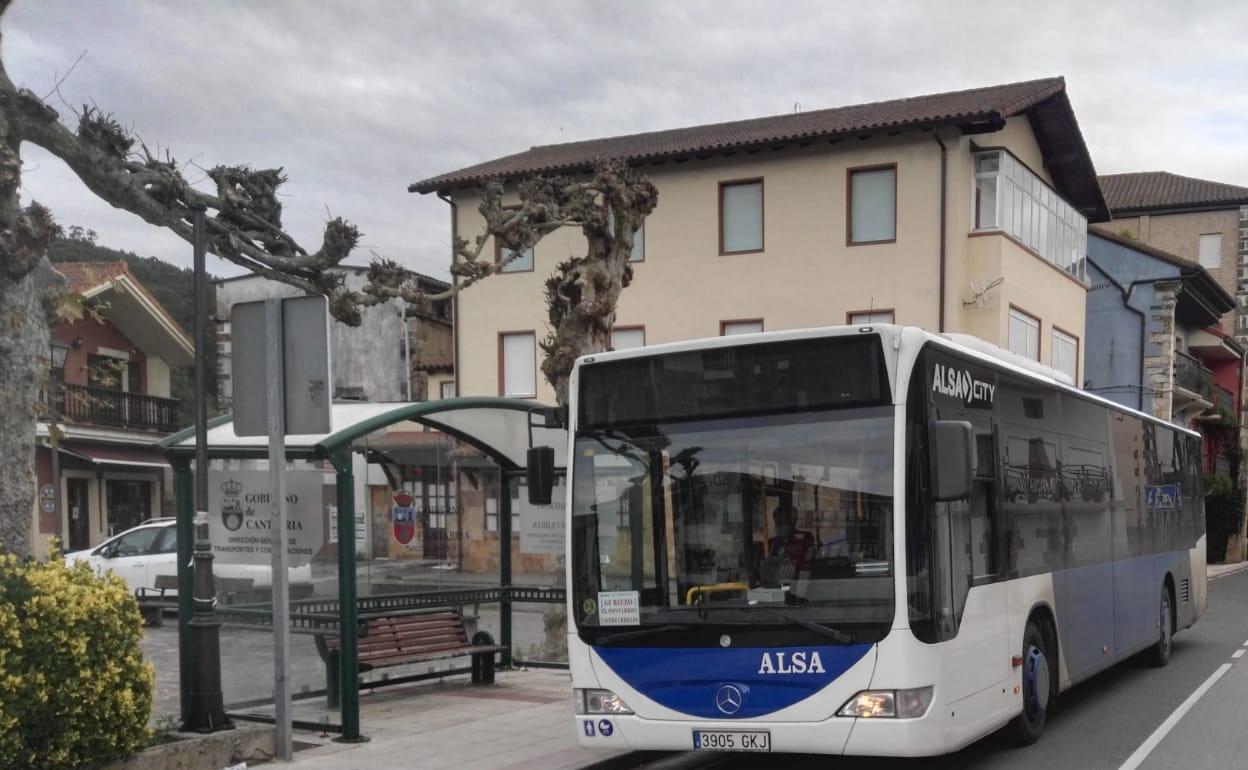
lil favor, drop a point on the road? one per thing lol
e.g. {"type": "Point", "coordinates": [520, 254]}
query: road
{"type": "Point", "coordinates": [1104, 721]}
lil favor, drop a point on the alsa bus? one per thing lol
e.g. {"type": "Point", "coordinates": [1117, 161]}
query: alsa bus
{"type": "Point", "coordinates": [869, 541]}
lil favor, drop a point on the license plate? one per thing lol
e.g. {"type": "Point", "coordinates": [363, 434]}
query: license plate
{"type": "Point", "coordinates": [731, 740]}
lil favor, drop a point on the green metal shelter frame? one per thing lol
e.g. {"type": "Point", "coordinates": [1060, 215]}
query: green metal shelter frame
{"type": "Point", "coordinates": [500, 428]}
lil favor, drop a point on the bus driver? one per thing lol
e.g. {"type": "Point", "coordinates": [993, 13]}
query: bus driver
{"type": "Point", "coordinates": [789, 550]}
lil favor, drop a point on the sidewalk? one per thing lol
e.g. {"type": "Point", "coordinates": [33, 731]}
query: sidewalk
{"type": "Point", "coordinates": [1216, 571]}
{"type": "Point", "coordinates": [522, 722]}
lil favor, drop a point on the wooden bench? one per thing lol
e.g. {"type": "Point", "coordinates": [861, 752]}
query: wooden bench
{"type": "Point", "coordinates": [411, 637]}
{"type": "Point", "coordinates": [154, 602]}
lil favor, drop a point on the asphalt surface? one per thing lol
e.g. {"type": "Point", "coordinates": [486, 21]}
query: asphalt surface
{"type": "Point", "coordinates": [1102, 722]}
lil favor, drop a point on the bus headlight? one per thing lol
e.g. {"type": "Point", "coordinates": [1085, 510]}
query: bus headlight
{"type": "Point", "coordinates": [902, 704]}
{"type": "Point", "coordinates": [599, 702]}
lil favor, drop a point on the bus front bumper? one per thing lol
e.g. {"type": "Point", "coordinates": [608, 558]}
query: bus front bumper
{"type": "Point", "coordinates": [838, 735]}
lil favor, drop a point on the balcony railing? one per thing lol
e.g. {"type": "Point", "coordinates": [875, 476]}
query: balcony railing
{"type": "Point", "coordinates": [87, 405]}
{"type": "Point", "coordinates": [1192, 376]}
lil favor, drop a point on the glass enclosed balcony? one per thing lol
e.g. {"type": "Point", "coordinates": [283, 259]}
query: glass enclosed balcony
{"type": "Point", "coordinates": [1011, 199]}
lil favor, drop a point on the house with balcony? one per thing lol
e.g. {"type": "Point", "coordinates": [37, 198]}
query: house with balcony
{"type": "Point", "coordinates": [958, 212]}
{"type": "Point", "coordinates": [1154, 322]}
{"type": "Point", "coordinates": [108, 392]}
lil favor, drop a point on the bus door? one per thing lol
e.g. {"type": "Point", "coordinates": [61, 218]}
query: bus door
{"type": "Point", "coordinates": [980, 653]}
{"type": "Point", "coordinates": [967, 534]}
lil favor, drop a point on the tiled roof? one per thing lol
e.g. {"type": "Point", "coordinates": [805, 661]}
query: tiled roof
{"type": "Point", "coordinates": [1150, 190]}
{"type": "Point", "coordinates": [85, 276]}
{"type": "Point", "coordinates": [974, 105]}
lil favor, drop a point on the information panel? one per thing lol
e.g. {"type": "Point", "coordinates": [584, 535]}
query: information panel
{"type": "Point", "coordinates": [542, 527]}
{"type": "Point", "coordinates": [238, 516]}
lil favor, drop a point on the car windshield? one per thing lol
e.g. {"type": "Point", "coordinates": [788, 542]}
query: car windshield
{"type": "Point", "coordinates": [136, 542]}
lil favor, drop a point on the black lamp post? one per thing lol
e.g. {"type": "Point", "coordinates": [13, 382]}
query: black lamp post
{"type": "Point", "coordinates": [57, 353]}
{"type": "Point", "coordinates": [207, 709]}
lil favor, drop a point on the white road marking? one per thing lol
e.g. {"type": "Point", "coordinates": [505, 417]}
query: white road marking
{"type": "Point", "coordinates": [1239, 653]}
{"type": "Point", "coordinates": [1164, 729]}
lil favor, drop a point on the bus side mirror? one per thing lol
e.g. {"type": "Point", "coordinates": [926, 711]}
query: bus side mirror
{"type": "Point", "coordinates": [540, 473]}
{"type": "Point", "coordinates": [952, 448]}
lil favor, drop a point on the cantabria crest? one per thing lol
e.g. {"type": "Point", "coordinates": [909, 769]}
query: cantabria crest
{"type": "Point", "coordinates": [232, 505]}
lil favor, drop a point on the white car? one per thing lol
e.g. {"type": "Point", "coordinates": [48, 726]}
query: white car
{"type": "Point", "coordinates": [150, 550]}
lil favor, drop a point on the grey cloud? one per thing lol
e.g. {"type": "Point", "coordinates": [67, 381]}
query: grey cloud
{"type": "Point", "coordinates": [356, 100]}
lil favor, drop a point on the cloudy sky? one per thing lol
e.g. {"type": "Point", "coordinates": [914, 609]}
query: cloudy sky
{"type": "Point", "coordinates": [357, 100]}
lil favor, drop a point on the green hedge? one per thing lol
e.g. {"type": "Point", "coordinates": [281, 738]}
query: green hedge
{"type": "Point", "coordinates": [74, 688]}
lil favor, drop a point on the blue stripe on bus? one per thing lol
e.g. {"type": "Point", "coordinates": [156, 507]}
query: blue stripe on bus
{"type": "Point", "coordinates": [688, 679]}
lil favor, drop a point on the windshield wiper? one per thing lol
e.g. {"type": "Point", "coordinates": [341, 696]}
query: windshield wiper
{"type": "Point", "coordinates": [834, 634]}
{"type": "Point", "coordinates": [637, 634]}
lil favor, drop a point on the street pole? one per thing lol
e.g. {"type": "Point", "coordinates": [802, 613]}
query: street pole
{"type": "Point", "coordinates": [275, 408]}
{"type": "Point", "coordinates": [55, 392]}
{"type": "Point", "coordinates": [207, 713]}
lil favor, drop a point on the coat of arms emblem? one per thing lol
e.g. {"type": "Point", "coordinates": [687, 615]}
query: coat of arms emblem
{"type": "Point", "coordinates": [232, 506]}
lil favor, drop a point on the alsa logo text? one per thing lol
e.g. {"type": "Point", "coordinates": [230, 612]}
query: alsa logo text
{"type": "Point", "coordinates": [959, 384]}
{"type": "Point", "coordinates": [791, 663]}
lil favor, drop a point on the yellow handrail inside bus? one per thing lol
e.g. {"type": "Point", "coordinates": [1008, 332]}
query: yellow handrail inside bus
{"type": "Point", "coordinates": [716, 588]}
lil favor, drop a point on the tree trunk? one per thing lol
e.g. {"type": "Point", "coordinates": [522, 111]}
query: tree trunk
{"type": "Point", "coordinates": [24, 338]}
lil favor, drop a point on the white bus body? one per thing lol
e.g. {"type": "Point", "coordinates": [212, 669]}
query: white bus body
{"type": "Point", "coordinates": [722, 597]}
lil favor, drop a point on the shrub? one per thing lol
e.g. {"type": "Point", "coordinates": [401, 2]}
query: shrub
{"type": "Point", "coordinates": [74, 688]}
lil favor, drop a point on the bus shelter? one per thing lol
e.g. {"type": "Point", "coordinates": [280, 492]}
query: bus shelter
{"type": "Point", "coordinates": [458, 463]}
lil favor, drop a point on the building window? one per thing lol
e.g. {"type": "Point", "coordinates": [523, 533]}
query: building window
{"type": "Point", "coordinates": [987, 168]}
{"type": "Point", "coordinates": [873, 205]}
{"type": "Point", "coordinates": [491, 514]}
{"type": "Point", "coordinates": [741, 216]}
{"type": "Point", "coordinates": [1011, 199]}
{"type": "Point", "coordinates": [521, 264]}
{"type": "Point", "coordinates": [638, 254]}
{"type": "Point", "coordinates": [448, 390]}
{"type": "Point", "coordinates": [1024, 334]}
{"type": "Point", "coordinates": [517, 360]}
{"type": "Point", "coordinates": [742, 326]}
{"type": "Point", "coordinates": [864, 317]}
{"type": "Point", "coordinates": [1065, 354]}
{"type": "Point", "coordinates": [1211, 250]}
{"type": "Point", "coordinates": [625, 337]}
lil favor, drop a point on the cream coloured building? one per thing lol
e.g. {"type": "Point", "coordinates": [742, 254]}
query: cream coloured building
{"type": "Point", "coordinates": [961, 212]}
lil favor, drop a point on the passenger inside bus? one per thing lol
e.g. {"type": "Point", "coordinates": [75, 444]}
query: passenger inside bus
{"type": "Point", "coordinates": [789, 551]}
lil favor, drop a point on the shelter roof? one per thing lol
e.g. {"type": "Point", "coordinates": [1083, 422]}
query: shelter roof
{"type": "Point", "coordinates": [498, 427]}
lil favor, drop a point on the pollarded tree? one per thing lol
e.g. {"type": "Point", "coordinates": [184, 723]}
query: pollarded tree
{"type": "Point", "coordinates": [244, 226]}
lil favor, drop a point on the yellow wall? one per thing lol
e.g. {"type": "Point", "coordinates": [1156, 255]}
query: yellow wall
{"type": "Point", "coordinates": [806, 275]}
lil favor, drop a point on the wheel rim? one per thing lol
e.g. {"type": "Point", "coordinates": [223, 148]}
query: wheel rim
{"type": "Point", "coordinates": [1165, 626]}
{"type": "Point", "coordinates": [1035, 681]}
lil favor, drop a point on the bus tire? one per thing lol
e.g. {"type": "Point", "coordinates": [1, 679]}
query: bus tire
{"type": "Point", "coordinates": [1037, 686]}
{"type": "Point", "coordinates": [1159, 654]}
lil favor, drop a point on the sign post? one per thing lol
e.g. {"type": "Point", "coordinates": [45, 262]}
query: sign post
{"type": "Point", "coordinates": [288, 341]}
{"type": "Point", "coordinates": [273, 387]}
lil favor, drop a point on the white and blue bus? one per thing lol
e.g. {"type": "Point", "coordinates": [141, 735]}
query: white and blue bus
{"type": "Point", "coordinates": [867, 541]}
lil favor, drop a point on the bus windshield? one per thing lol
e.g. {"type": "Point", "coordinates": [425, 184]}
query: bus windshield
{"type": "Point", "coordinates": [771, 523]}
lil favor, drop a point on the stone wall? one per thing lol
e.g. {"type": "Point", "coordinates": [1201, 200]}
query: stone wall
{"type": "Point", "coordinates": [1159, 358]}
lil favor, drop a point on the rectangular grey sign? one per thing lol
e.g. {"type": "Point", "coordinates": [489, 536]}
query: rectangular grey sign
{"type": "Point", "coordinates": [305, 372]}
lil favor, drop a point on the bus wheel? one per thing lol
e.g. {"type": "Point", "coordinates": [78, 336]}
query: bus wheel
{"type": "Point", "coordinates": [1037, 686]}
{"type": "Point", "coordinates": [1159, 654]}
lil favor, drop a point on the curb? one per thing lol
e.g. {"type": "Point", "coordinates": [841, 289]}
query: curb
{"type": "Point", "coordinates": [1235, 571]}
